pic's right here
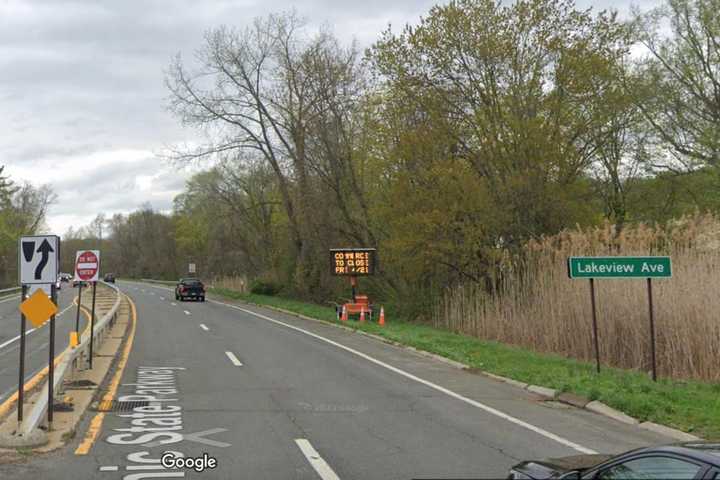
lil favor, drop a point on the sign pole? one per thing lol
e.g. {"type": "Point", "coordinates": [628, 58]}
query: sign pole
{"type": "Point", "coordinates": [353, 283]}
{"type": "Point", "coordinates": [652, 329]}
{"type": "Point", "coordinates": [21, 370]}
{"type": "Point", "coordinates": [594, 325]}
{"type": "Point", "coordinates": [92, 324]}
{"type": "Point", "coordinates": [77, 314]}
{"type": "Point", "coordinates": [51, 361]}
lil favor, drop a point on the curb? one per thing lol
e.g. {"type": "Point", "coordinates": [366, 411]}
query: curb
{"type": "Point", "coordinates": [603, 409]}
{"type": "Point", "coordinates": [567, 398]}
{"type": "Point", "coordinates": [671, 432]}
{"type": "Point", "coordinates": [543, 391]}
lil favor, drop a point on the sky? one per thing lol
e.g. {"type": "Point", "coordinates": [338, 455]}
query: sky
{"type": "Point", "coordinates": [82, 94]}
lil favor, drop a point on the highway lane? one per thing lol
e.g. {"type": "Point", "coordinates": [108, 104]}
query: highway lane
{"type": "Point", "coordinates": [273, 396]}
{"type": "Point", "coordinates": [36, 347]}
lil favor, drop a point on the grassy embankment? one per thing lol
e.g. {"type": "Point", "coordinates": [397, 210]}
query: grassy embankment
{"type": "Point", "coordinates": [691, 406]}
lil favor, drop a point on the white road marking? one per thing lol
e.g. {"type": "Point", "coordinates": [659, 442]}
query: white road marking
{"type": "Point", "coordinates": [162, 298]}
{"type": "Point", "coordinates": [28, 332]}
{"type": "Point", "coordinates": [234, 359]}
{"type": "Point", "coordinates": [173, 304]}
{"type": "Point", "coordinates": [186, 312]}
{"type": "Point", "coordinates": [434, 386]}
{"type": "Point", "coordinates": [317, 462]}
{"type": "Point", "coordinates": [12, 297]}
{"type": "Point", "coordinates": [109, 468]}
{"type": "Point", "coordinates": [204, 327]}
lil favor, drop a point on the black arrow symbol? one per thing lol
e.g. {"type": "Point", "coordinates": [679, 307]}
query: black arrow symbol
{"type": "Point", "coordinates": [45, 249]}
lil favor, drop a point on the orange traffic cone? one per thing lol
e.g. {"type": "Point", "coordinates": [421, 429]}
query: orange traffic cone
{"type": "Point", "coordinates": [381, 321]}
{"type": "Point", "coordinates": [362, 314]}
{"type": "Point", "coordinates": [344, 315]}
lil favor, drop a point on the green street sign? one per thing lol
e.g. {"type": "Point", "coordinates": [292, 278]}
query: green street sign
{"type": "Point", "coordinates": [619, 267]}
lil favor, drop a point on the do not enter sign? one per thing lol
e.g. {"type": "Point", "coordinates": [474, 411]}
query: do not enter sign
{"type": "Point", "coordinates": [87, 265]}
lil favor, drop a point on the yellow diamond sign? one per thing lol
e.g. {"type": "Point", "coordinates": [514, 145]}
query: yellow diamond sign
{"type": "Point", "coordinates": [38, 308]}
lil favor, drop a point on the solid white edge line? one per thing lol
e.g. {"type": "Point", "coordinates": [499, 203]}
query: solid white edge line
{"type": "Point", "coordinates": [204, 327]}
{"type": "Point", "coordinates": [12, 297]}
{"type": "Point", "coordinates": [234, 359]}
{"type": "Point", "coordinates": [28, 332]}
{"type": "Point", "coordinates": [439, 388]}
{"type": "Point", "coordinates": [315, 460]}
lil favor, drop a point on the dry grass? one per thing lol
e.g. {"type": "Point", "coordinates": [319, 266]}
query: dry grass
{"type": "Point", "coordinates": [235, 283]}
{"type": "Point", "coordinates": [541, 308]}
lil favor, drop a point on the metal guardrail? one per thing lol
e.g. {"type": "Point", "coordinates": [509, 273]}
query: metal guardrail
{"type": "Point", "coordinates": [11, 289]}
{"type": "Point", "coordinates": [167, 282]}
{"type": "Point", "coordinates": [70, 360]}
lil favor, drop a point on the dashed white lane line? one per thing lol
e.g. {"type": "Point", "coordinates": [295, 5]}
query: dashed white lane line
{"type": "Point", "coordinates": [204, 327]}
{"type": "Point", "coordinates": [234, 359]}
{"type": "Point", "coordinates": [317, 462]}
{"type": "Point", "coordinates": [186, 312]}
{"type": "Point", "coordinates": [173, 304]}
{"type": "Point", "coordinates": [446, 391]}
{"type": "Point", "coordinates": [162, 298]}
{"type": "Point", "coordinates": [109, 468]}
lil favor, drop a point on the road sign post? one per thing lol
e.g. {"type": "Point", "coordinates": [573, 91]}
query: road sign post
{"type": "Point", "coordinates": [652, 329]}
{"type": "Point", "coordinates": [21, 370]}
{"type": "Point", "coordinates": [51, 362]}
{"type": "Point", "coordinates": [594, 325]}
{"type": "Point", "coordinates": [618, 268]}
{"type": "Point", "coordinates": [92, 324]}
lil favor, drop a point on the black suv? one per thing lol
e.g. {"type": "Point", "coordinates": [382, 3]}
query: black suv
{"type": "Point", "coordinates": [109, 277]}
{"type": "Point", "coordinates": [190, 288]}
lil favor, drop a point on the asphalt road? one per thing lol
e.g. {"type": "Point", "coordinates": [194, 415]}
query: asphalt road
{"type": "Point", "coordinates": [36, 346]}
{"type": "Point", "coordinates": [271, 396]}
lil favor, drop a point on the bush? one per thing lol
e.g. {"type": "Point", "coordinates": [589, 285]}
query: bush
{"type": "Point", "coordinates": [264, 287]}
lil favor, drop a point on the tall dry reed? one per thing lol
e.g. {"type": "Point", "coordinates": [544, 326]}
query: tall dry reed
{"type": "Point", "coordinates": [236, 283]}
{"type": "Point", "coordinates": [541, 308]}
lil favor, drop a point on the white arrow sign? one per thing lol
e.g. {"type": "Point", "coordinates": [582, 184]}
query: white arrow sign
{"type": "Point", "coordinates": [39, 259]}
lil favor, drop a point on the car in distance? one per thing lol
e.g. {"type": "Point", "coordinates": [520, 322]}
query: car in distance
{"type": "Point", "coordinates": [690, 460]}
{"type": "Point", "coordinates": [65, 277]}
{"type": "Point", "coordinates": [109, 277]}
{"type": "Point", "coordinates": [190, 288]}
{"type": "Point", "coordinates": [75, 283]}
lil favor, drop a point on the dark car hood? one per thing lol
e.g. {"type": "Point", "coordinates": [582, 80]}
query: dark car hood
{"type": "Point", "coordinates": [554, 467]}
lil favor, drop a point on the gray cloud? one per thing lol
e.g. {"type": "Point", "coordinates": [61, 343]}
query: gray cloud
{"type": "Point", "coordinates": [83, 80]}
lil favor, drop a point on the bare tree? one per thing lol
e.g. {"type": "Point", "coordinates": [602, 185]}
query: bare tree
{"type": "Point", "coordinates": [274, 91]}
{"type": "Point", "coordinates": [684, 108]}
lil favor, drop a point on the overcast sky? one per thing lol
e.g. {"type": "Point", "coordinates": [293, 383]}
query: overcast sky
{"type": "Point", "coordinates": [82, 95]}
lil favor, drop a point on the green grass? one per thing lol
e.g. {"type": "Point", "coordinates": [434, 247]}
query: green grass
{"type": "Point", "coordinates": [690, 406]}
